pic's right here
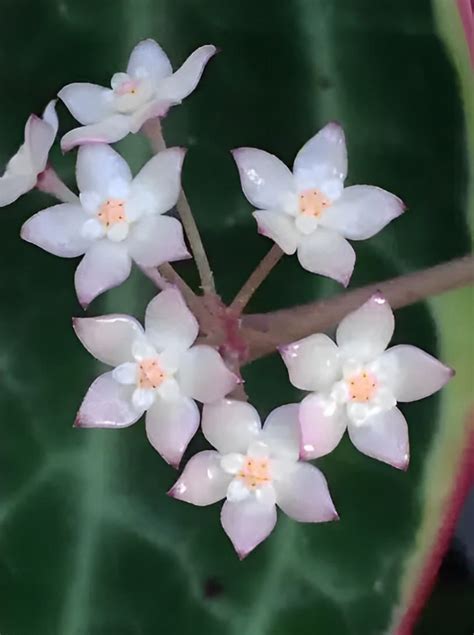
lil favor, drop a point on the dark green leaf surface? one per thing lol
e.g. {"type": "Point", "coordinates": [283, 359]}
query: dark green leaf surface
{"type": "Point", "coordinates": [89, 542]}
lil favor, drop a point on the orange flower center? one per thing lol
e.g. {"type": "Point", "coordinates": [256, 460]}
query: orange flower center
{"type": "Point", "coordinates": [255, 472]}
{"type": "Point", "coordinates": [362, 387]}
{"type": "Point", "coordinates": [150, 374]}
{"type": "Point", "coordinates": [313, 203]}
{"type": "Point", "coordinates": [112, 212]}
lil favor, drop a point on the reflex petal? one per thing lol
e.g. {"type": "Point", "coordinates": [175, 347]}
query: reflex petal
{"type": "Point", "coordinates": [109, 338]}
{"type": "Point", "coordinates": [155, 239]}
{"type": "Point", "coordinates": [313, 363]}
{"type": "Point", "coordinates": [280, 227]}
{"type": "Point", "coordinates": [98, 166]}
{"type": "Point", "coordinates": [107, 404]}
{"type": "Point", "coordinates": [88, 103]}
{"type": "Point", "coordinates": [160, 178]}
{"type": "Point", "coordinates": [362, 211]}
{"type": "Point", "coordinates": [322, 161]}
{"type": "Point", "coordinates": [57, 230]}
{"type": "Point", "coordinates": [169, 324]}
{"type": "Point", "coordinates": [186, 78]}
{"type": "Point", "coordinates": [202, 374]}
{"type": "Point", "coordinates": [104, 266]}
{"type": "Point", "coordinates": [281, 431]}
{"type": "Point", "coordinates": [148, 56]}
{"type": "Point", "coordinates": [304, 495]}
{"type": "Point", "coordinates": [230, 425]}
{"type": "Point", "coordinates": [39, 137]}
{"type": "Point", "coordinates": [365, 333]}
{"type": "Point", "coordinates": [50, 115]}
{"type": "Point", "coordinates": [109, 130]}
{"type": "Point", "coordinates": [383, 437]}
{"type": "Point", "coordinates": [328, 254]}
{"type": "Point", "coordinates": [413, 374]}
{"type": "Point", "coordinates": [202, 482]}
{"type": "Point", "coordinates": [247, 523]}
{"type": "Point", "coordinates": [12, 186]}
{"type": "Point", "coordinates": [323, 424]}
{"type": "Point", "coordinates": [266, 181]}
{"type": "Point", "coordinates": [170, 426]}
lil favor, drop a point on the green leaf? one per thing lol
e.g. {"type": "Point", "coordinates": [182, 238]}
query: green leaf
{"type": "Point", "coordinates": [89, 542]}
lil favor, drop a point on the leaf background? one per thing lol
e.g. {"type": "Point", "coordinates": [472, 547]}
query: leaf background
{"type": "Point", "coordinates": [89, 542]}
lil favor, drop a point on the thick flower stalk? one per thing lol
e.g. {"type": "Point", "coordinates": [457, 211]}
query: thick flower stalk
{"type": "Point", "coordinates": [254, 469]}
{"type": "Point", "coordinates": [23, 169]}
{"type": "Point", "coordinates": [157, 370]}
{"type": "Point", "coordinates": [309, 211]}
{"type": "Point", "coordinates": [117, 219]}
{"type": "Point", "coordinates": [357, 383]}
{"type": "Point", "coordinates": [147, 90]}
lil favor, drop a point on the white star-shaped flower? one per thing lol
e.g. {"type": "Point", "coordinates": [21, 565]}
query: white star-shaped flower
{"type": "Point", "coordinates": [309, 211]}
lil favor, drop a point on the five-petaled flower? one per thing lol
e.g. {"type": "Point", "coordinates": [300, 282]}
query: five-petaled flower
{"type": "Point", "coordinates": [309, 211]}
{"type": "Point", "coordinates": [23, 169]}
{"type": "Point", "coordinates": [117, 219]}
{"type": "Point", "coordinates": [146, 90]}
{"type": "Point", "coordinates": [358, 383]}
{"type": "Point", "coordinates": [157, 371]}
{"type": "Point", "coordinates": [254, 468]}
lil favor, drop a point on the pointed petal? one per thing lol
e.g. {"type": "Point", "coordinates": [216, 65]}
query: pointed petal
{"type": "Point", "coordinates": [160, 178]}
{"type": "Point", "coordinates": [170, 426]}
{"type": "Point", "coordinates": [97, 166]}
{"type": "Point", "coordinates": [39, 137]}
{"type": "Point", "coordinates": [203, 481]}
{"type": "Point", "coordinates": [328, 254]}
{"type": "Point", "coordinates": [266, 181]}
{"type": "Point", "coordinates": [186, 78]}
{"type": "Point", "coordinates": [230, 425]}
{"type": "Point", "coordinates": [281, 431]}
{"type": "Point", "coordinates": [414, 374]}
{"type": "Point", "coordinates": [202, 374]}
{"type": "Point", "coordinates": [50, 115]}
{"type": "Point", "coordinates": [57, 230]}
{"type": "Point", "coordinates": [12, 186]}
{"type": "Point", "coordinates": [322, 426]}
{"type": "Point", "coordinates": [107, 404]}
{"type": "Point", "coordinates": [322, 161]}
{"type": "Point", "coordinates": [108, 130]}
{"type": "Point", "coordinates": [304, 495]}
{"type": "Point", "coordinates": [169, 324]}
{"type": "Point", "coordinates": [313, 363]}
{"type": "Point", "coordinates": [109, 338]}
{"type": "Point", "coordinates": [362, 211]}
{"type": "Point", "coordinates": [148, 56]}
{"type": "Point", "coordinates": [88, 103]}
{"type": "Point", "coordinates": [247, 523]}
{"type": "Point", "coordinates": [156, 239]}
{"type": "Point", "coordinates": [383, 437]}
{"type": "Point", "coordinates": [104, 266]}
{"type": "Point", "coordinates": [280, 227]}
{"type": "Point", "coordinates": [366, 332]}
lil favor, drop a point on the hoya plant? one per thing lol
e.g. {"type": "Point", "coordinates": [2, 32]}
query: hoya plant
{"type": "Point", "coordinates": [187, 362]}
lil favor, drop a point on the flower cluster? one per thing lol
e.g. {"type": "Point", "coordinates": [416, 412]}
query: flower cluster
{"type": "Point", "coordinates": [163, 369]}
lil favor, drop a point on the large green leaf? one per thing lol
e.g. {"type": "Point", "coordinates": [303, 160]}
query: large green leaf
{"type": "Point", "coordinates": [89, 542]}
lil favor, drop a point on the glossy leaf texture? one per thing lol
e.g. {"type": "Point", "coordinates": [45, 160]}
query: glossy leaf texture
{"type": "Point", "coordinates": [89, 542]}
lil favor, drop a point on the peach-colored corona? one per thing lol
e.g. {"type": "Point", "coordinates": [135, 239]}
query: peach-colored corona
{"type": "Point", "coordinates": [255, 472]}
{"type": "Point", "coordinates": [313, 203]}
{"type": "Point", "coordinates": [362, 387]}
{"type": "Point", "coordinates": [150, 374]}
{"type": "Point", "coordinates": [112, 212]}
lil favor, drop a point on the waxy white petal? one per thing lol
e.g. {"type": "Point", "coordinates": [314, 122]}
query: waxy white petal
{"type": "Point", "coordinates": [98, 166]}
{"type": "Point", "coordinates": [203, 375]}
{"type": "Point", "coordinates": [88, 103]}
{"type": "Point", "coordinates": [143, 398]}
{"type": "Point", "coordinates": [57, 230]}
{"type": "Point", "coordinates": [202, 482]}
{"type": "Point", "coordinates": [365, 333]}
{"type": "Point", "coordinates": [109, 130]}
{"type": "Point", "coordinates": [169, 324]}
{"type": "Point", "coordinates": [160, 178]}
{"type": "Point", "coordinates": [313, 363]}
{"type": "Point", "coordinates": [247, 523]}
{"type": "Point", "coordinates": [266, 181]}
{"type": "Point", "coordinates": [148, 56]}
{"type": "Point", "coordinates": [107, 404]}
{"type": "Point", "coordinates": [109, 338]}
{"type": "Point", "coordinates": [39, 137]}
{"type": "Point", "coordinates": [280, 228]}
{"type": "Point", "coordinates": [126, 373]}
{"type": "Point", "coordinates": [281, 432]}
{"type": "Point", "coordinates": [186, 78]}
{"type": "Point", "coordinates": [170, 426]}
{"type": "Point", "coordinates": [230, 425]}
{"type": "Point", "coordinates": [362, 211]}
{"type": "Point", "coordinates": [12, 186]}
{"type": "Point", "coordinates": [304, 495]}
{"type": "Point", "coordinates": [328, 254]}
{"type": "Point", "coordinates": [237, 491]}
{"type": "Point", "coordinates": [104, 266]}
{"type": "Point", "coordinates": [155, 239]}
{"type": "Point", "coordinates": [323, 424]}
{"type": "Point", "coordinates": [383, 437]}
